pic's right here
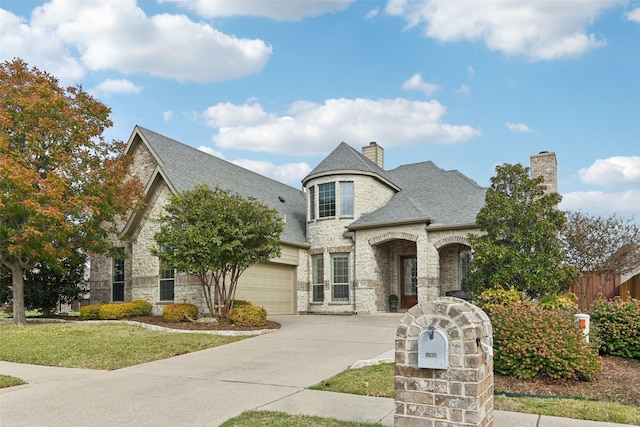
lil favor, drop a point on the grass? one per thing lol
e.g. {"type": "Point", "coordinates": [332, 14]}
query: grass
{"type": "Point", "coordinates": [379, 381]}
{"type": "Point", "coordinates": [104, 346]}
{"type": "Point", "coordinates": [281, 419]}
{"type": "Point", "coordinates": [8, 381]}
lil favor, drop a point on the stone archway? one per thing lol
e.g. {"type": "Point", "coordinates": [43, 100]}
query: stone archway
{"type": "Point", "coordinates": [454, 253]}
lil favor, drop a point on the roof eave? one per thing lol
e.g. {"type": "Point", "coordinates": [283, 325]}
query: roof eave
{"type": "Point", "coordinates": [350, 172]}
{"type": "Point", "coordinates": [423, 220]}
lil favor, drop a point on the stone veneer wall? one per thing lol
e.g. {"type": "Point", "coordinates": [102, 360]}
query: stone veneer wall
{"type": "Point", "coordinates": [460, 395]}
{"type": "Point", "coordinates": [546, 166]}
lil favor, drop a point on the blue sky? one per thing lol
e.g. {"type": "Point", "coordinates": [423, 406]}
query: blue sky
{"type": "Point", "coordinates": [275, 85]}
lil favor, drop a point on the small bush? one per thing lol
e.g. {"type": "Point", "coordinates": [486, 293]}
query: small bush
{"type": "Point", "coordinates": [500, 297]}
{"type": "Point", "coordinates": [182, 312]}
{"type": "Point", "coordinates": [617, 325]}
{"type": "Point", "coordinates": [90, 312]}
{"type": "Point", "coordinates": [531, 342]}
{"type": "Point", "coordinates": [566, 302]}
{"type": "Point", "coordinates": [116, 311]}
{"type": "Point", "coordinates": [139, 307]}
{"type": "Point", "coordinates": [240, 303]}
{"type": "Point", "coordinates": [248, 315]}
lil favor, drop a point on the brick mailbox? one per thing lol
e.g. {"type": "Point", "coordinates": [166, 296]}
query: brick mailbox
{"type": "Point", "coordinates": [444, 366]}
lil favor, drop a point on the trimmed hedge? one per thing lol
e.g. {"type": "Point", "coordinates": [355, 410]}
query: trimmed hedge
{"type": "Point", "coordinates": [248, 315]}
{"type": "Point", "coordinates": [616, 324]}
{"type": "Point", "coordinates": [181, 312]}
{"type": "Point", "coordinates": [116, 311]}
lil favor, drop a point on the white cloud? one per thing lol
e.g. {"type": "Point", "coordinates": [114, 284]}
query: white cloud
{"type": "Point", "coordinates": [634, 15]}
{"type": "Point", "coordinates": [518, 127]}
{"type": "Point", "coordinates": [37, 47]}
{"type": "Point", "coordinates": [276, 10]}
{"type": "Point", "coordinates": [167, 115]}
{"type": "Point", "coordinates": [119, 35]}
{"type": "Point", "coordinates": [111, 86]}
{"type": "Point", "coordinates": [290, 173]}
{"type": "Point", "coordinates": [464, 89]}
{"type": "Point", "coordinates": [617, 170]}
{"type": "Point", "coordinates": [625, 204]}
{"type": "Point", "coordinates": [415, 82]}
{"type": "Point", "coordinates": [539, 30]}
{"type": "Point", "coordinates": [227, 114]}
{"type": "Point", "coordinates": [211, 151]}
{"type": "Point", "coordinates": [372, 13]}
{"type": "Point", "coordinates": [392, 122]}
{"type": "Point", "coordinates": [471, 71]}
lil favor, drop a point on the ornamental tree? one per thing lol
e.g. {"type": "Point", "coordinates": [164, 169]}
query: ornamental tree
{"type": "Point", "coordinates": [63, 187]}
{"type": "Point", "coordinates": [609, 246]}
{"type": "Point", "coordinates": [519, 246]}
{"type": "Point", "coordinates": [216, 235]}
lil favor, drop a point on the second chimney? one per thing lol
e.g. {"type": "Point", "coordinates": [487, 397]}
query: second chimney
{"type": "Point", "coordinates": [546, 166]}
{"type": "Point", "coordinates": [375, 153]}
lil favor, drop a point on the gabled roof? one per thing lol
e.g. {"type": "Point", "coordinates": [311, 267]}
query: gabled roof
{"type": "Point", "coordinates": [346, 160]}
{"type": "Point", "coordinates": [184, 167]}
{"type": "Point", "coordinates": [430, 195]}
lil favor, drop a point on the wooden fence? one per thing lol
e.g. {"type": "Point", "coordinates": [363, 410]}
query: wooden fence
{"type": "Point", "coordinates": [590, 286]}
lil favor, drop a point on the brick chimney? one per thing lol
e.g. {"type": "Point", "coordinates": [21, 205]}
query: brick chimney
{"type": "Point", "coordinates": [375, 153]}
{"type": "Point", "coordinates": [545, 165]}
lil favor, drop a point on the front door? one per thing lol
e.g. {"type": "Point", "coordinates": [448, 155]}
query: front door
{"type": "Point", "coordinates": [408, 281]}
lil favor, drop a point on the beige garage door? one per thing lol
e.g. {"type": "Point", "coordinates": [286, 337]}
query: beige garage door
{"type": "Point", "coordinates": [271, 286]}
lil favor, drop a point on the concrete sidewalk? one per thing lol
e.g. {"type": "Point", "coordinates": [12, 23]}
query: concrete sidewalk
{"type": "Point", "coordinates": [206, 388]}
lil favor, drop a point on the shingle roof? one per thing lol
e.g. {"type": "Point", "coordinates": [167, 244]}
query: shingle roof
{"type": "Point", "coordinates": [345, 159]}
{"type": "Point", "coordinates": [185, 167]}
{"type": "Point", "coordinates": [428, 194]}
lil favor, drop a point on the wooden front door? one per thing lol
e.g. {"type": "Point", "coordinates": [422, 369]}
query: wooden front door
{"type": "Point", "coordinates": [408, 281]}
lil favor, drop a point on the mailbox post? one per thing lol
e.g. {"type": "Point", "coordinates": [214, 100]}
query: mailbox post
{"type": "Point", "coordinates": [444, 365]}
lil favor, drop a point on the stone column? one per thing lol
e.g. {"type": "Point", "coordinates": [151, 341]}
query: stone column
{"type": "Point", "coordinates": [444, 366]}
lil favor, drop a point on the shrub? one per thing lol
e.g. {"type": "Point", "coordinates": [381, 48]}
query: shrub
{"type": "Point", "coordinates": [248, 315]}
{"type": "Point", "coordinates": [566, 302]}
{"type": "Point", "coordinates": [90, 312]}
{"type": "Point", "coordinates": [617, 326]}
{"type": "Point", "coordinates": [531, 342]}
{"type": "Point", "coordinates": [181, 312]}
{"type": "Point", "coordinates": [115, 311]}
{"type": "Point", "coordinates": [240, 303]}
{"type": "Point", "coordinates": [500, 297]}
{"type": "Point", "coordinates": [139, 308]}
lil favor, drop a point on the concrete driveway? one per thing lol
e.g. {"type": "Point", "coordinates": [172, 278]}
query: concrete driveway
{"type": "Point", "coordinates": [207, 387]}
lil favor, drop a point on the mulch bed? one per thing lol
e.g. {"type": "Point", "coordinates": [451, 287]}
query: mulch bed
{"type": "Point", "coordinates": [222, 325]}
{"type": "Point", "coordinates": [619, 381]}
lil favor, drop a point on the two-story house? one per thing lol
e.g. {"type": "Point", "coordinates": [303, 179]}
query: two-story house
{"type": "Point", "coordinates": [354, 234]}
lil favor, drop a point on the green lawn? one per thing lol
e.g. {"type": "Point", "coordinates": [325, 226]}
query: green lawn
{"type": "Point", "coordinates": [379, 381]}
{"type": "Point", "coordinates": [90, 345]}
{"type": "Point", "coordinates": [7, 381]}
{"type": "Point", "coordinates": [280, 419]}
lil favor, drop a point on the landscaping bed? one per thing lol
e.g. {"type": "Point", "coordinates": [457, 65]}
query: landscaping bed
{"type": "Point", "coordinates": [619, 382]}
{"type": "Point", "coordinates": [222, 325]}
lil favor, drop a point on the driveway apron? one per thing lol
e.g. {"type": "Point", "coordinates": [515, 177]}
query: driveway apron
{"type": "Point", "coordinates": [198, 389]}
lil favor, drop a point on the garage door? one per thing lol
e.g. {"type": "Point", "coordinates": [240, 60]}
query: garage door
{"type": "Point", "coordinates": [271, 286]}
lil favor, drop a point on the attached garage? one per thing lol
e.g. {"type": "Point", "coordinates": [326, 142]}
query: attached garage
{"type": "Point", "coordinates": [271, 286]}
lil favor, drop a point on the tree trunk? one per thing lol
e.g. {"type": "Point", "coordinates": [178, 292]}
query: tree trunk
{"type": "Point", "coordinates": [17, 273]}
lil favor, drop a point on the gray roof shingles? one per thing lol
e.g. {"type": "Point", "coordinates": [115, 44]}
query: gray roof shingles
{"type": "Point", "coordinates": [424, 192]}
{"type": "Point", "coordinates": [186, 167]}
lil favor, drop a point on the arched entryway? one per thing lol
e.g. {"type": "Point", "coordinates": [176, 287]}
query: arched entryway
{"type": "Point", "coordinates": [454, 255]}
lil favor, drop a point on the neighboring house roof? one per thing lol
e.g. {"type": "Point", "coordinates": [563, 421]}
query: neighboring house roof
{"type": "Point", "coordinates": [184, 167]}
{"type": "Point", "coordinates": [346, 160]}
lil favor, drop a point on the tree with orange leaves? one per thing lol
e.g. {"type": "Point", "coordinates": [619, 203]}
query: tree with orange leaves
{"type": "Point", "coordinates": [63, 187]}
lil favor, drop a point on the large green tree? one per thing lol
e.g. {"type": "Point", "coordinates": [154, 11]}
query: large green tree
{"type": "Point", "coordinates": [216, 235]}
{"type": "Point", "coordinates": [46, 286]}
{"type": "Point", "coordinates": [63, 187]}
{"type": "Point", "coordinates": [519, 245]}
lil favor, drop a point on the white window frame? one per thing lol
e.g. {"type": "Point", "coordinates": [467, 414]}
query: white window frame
{"type": "Point", "coordinates": [340, 278]}
{"type": "Point", "coordinates": [167, 277]}
{"type": "Point", "coordinates": [346, 203]}
{"type": "Point", "coordinates": [317, 279]}
{"type": "Point", "coordinates": [326, 205]}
